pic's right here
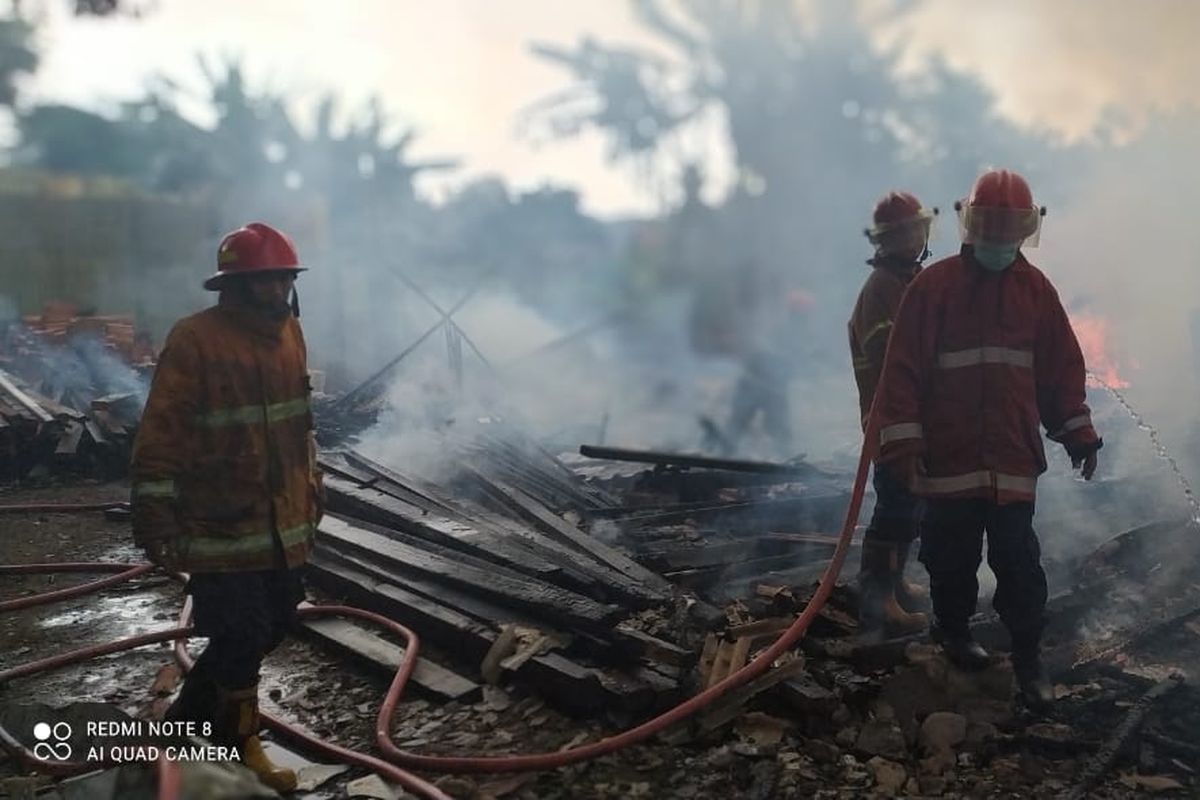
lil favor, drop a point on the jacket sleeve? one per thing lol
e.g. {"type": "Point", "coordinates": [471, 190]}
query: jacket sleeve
{"type": "Point", "coordinates": [316, 477]}
{"type": "Point", "coordinates": [870, 326]}
{"type": "Point", "coordinates": [163, 449]}
{"type": "Point", "coordinates": [904, 377]}
{"type": "Point", "coordinates": [1062, 379]}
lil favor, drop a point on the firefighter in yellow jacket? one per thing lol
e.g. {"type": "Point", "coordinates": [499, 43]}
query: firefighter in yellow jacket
{"type": "Point", "coordinates": [900, 234]}
{"type": "Point", "coordinates": [225, 483]}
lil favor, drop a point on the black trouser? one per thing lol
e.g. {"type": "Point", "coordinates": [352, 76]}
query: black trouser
{"type": "Point", "coordinates": [951, 548]}
{"type": "Point", "coordinates": [245, 615]}
{"type": "Point", "coordinates": [897, 513]}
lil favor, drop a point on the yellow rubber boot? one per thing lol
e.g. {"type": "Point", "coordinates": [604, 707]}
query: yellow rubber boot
{"type": "Point", "coordinates": [281, 779]}
{"type": "Point", "coordinates": [238, 722]}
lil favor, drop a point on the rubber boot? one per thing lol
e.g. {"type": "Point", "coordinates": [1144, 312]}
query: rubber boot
{"type": "Point", "coordinates": [962, 650]}
{"type": "Point", "coordinates": [880, 616]}
{"type": "Point", "coordinates": [912, 597]}
{"type": "Point", "coordinates": [238, 724]}
{"type": "Point", "coordinates": [1033, 683]}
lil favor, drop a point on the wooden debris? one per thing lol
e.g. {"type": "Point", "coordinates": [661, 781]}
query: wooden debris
{"type": "Point", "coordinates": [1102, 761]}
{"type": "Point", "coordinates": [548, 600]}
{"type": "Point", "coordinates": [428, 678]}
{"type": "Point", "coordinates": [729, 706]}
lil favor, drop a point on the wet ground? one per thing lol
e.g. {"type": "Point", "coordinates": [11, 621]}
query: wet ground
{"type": "Point", "coordinates": [771, 755]}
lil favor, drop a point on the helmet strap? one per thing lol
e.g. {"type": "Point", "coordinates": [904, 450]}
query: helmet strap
{"type": "Point", "coordinates": [295, 303]}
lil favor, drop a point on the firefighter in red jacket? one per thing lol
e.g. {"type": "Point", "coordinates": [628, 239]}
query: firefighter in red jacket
{"type": "Point", "coordinates": [225, 485]}
{"type": "Point", "coordinates": [900, 234]}
{"type": "Point", "coordinates": [981, 353]}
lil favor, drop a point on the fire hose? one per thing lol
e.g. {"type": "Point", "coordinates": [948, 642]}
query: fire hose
{"type": "Point", "coordinates": [396, 759]}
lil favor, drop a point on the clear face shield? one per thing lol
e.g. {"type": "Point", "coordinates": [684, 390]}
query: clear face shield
{"type": "Point", "coordinates": [907, 239]}
{"type": "Point", "coordinates": [999, 226]}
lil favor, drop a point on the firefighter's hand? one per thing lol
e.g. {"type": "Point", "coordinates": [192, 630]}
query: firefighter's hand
{"type": "Point", "coordinates": [1085, 464]}
{"type": "Point", "coordinates": [1083, 457]}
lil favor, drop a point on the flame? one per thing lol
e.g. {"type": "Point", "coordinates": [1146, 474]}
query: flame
{"type": "Point", "coordinates": [1092, 333]}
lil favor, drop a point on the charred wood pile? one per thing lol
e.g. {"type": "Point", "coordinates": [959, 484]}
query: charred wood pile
{"type": "Point", "coordinates": [72, 388]}
{"type": "Point", "coordinates": [492, 567]}
{"type": "Point", "coordinates": [40, 437]}
{"type": "Point", "coordinates": [725, 527]}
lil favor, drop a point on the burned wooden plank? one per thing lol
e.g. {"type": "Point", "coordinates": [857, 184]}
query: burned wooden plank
{"type": "Point", "coordinates": [430, 619]}
{"type": "Point", "coordinates": [621, 645]}
{"type": "Point", "coordinates": [463, 509]}
{"type": "Point", "coordinates": [541, 474]}
{"type": "Point", "coordinates": [463, 602]}
{"type": "Point", "coordinates": [688, 460]}
{"type": "Point", "coordinates": [569, 685]}
{"type": "Point", "coordinates": [382, 509]}
{"type": "Point", "coordinates": [811, 510]}
{"type": "Point", "coordinates": [659, 650]}
{"type": "Point", "coordinates": [7, 384]}
{"type": "Point", "coordinates": [421, 494]}
{"type": "Point", "coordinates": [537, 514]}
{"type": "Point", "coordinates": [522, 551]}
{"type": "Point", "coordinates": [544, 599]}
{"type": "Point", "coordinates": [428, 677]}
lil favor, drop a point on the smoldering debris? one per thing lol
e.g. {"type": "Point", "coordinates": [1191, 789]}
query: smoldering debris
{"type": "Point", "coordinates": [72, 388]}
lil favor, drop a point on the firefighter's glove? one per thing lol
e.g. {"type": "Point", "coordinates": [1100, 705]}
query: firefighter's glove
{"type": "Point", "coordinates": [162, 553]}
{"type": "Point", "coordinates": [156, 531]}
{"type": "Point", "coordinates": [1083, 457]}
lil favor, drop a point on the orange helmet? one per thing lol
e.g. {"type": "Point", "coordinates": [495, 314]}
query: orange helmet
{"type": "Point", "coordinates": [255, 248]}
{"type": "Point", "coordinates": [900, 226]}
{"type": "Point", "coordinates": [1000, 210]}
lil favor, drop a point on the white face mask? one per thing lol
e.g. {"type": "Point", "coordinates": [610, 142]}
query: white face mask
{"type": "Point", "coordinates": [996, 257]}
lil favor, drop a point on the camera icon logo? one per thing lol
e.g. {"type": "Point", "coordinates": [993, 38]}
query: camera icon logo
{"type": "Point", "coordinates": [52, 741]}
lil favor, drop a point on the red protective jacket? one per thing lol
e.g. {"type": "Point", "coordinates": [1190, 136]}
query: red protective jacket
{"type": "Point", "coordinates": [976, 360]}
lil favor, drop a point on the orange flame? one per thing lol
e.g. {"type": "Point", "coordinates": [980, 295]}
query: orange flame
{"type": "Point", "coordinates": [1092, 333]}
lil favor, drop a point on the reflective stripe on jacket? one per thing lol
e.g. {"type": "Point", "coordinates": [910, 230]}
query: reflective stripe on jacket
{"type": "Point", "coordinates": [871, 324]}
{"type": "Point", "coordinates": [976, 361]}
{"type": "Point", "coordinates": [224, 461]}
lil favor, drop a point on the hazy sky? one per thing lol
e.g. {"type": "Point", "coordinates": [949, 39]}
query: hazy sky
{"type": "Point", "coordinates": [461, 70]}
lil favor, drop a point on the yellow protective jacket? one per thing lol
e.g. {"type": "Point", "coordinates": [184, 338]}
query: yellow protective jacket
{"type": "Point", "coordinates": [871, 324]}
{"type": "Point", "coordinates": [224, 465]}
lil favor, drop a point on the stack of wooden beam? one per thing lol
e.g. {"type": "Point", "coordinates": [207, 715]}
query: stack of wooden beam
{"type": "Point", "coordinates": [39, 436]}
{"type": "Point", "coordinates": [490, 570]}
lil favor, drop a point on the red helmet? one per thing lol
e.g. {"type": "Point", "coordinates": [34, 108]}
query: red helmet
{"type": "Point", "coordinates": [1001, 188]}
{"type": "Point", "coordinates": [999, 210]}
{"type": "Point", "coordinates": [255, 248]}
{"type": "Point", "coordinates": [901, 226]}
